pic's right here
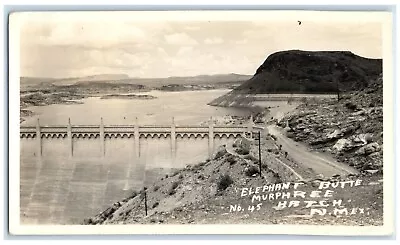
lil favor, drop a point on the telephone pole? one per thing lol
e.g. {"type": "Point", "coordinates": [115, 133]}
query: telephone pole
{"type": "Point", "coordinates": [145, 200]}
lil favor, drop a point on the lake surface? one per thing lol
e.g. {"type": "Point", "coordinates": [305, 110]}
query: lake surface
{"type": "Point", "coordinates": [188, 107]}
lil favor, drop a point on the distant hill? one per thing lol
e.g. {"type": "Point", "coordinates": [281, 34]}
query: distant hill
{"type": "Point", "coordinates": [207, 78]}
{"type": "Point", "coordinates": [38, 81]}
{"type": "Point", "coordinates": [297, 71]}
{"type": "Point", "coordinates": [125, 79]}
{"type": "Point", "coordinates": [34, 81]}
{"type": "Point", "coordinates": [94, 78]}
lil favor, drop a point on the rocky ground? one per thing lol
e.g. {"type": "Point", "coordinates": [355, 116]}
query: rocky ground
{"type": "Point", "coordinates": [43, 98]}
{"type": "Point", "coordinates": [351, 128]}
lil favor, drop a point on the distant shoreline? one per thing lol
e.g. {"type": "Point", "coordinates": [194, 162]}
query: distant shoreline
{"type": "Point", "coordinates": [129, 96]}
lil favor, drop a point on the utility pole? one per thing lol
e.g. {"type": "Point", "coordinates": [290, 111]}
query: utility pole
{"type": "Point", "coordinates": [337, 90]}
{"type": "Point", "coordinates": [259, 151]}
{"type": "Point", "coordinates": [145, 200]}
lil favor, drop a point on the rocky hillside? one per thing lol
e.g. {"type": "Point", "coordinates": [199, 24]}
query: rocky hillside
{"type": "Point", "coordinates": [351, 129]}
{"type": "Point", "coordinates": [193, 185]}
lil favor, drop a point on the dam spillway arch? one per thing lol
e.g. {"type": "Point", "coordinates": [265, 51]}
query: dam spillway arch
{"type": "Point", "coordinates": [73, 171]}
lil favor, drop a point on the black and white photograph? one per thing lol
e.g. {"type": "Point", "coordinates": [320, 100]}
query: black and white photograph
{"type": "Point", "coordinates": [196, 119]}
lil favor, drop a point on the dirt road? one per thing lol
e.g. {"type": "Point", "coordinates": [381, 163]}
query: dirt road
{"type": "Point", "coordinates": [320, 163]}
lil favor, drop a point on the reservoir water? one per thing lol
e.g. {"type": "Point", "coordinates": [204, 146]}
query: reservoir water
{"type": "Point", "coordinates": [188, 107]}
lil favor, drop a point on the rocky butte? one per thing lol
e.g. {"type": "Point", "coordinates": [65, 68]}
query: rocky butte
{"type": "Point", "coordinates": [306, 72]}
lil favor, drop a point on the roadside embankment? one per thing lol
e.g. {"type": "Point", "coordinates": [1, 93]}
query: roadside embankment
{"type": "Point", "coordinates": [351, 129]}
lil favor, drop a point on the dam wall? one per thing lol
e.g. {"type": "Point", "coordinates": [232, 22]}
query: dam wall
{"type": "Point", "coordinates": [71, 172]}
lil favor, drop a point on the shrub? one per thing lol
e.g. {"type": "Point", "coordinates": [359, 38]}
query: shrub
{"type": "Point", "coordinates": [155, 205]}
{"type": "Point", "coordinates": [88, 221]}
{"type": "Point", "coordinates": [133, 194]}
{"type": "Point", "coordinates": [351, 106]}
{"type": "Point", "coordinates": [242, 151]}
{"type": "Point", "coordinates": [172, 190]}
{"type": "Point", "coordinates": [251, 171]}
{"type": "Point", "coordinates": [303, 100]}
{"type": "Point", "coordinates": [174, 185]}
{"type": "Point", "coordinates": [231, 159]}
{"type": "Point", "coordinates": [219, 154]}
{"type": "Point", "coordinates": [251, 158]}
{"type": "Point", "coordinates": [224, 182]}
{"type": "Point", "coordinates": [181, 176]}
{"type": "Point", "coordinates": [156, 188]}
{"type": "Point", "coordinates": [200, 165]}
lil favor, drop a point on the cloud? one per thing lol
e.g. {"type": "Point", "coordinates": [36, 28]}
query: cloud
{"type": "Point", "coordinates": [187, 50]}
{"type": "Point", "coordinates": [93, 35]}
{"type": "Point", "coordinates": [180, 39]}
{"type": "Point", "coordinates": [192, 28]}
{"type": "Point", "coordinates": [60, 45]}
{"type": "Point", "coordinates": [211, 61]}
{"type": "Point", "coordinates": [240, 42]}
{"type": "Point", "coordinates": [215, 40]}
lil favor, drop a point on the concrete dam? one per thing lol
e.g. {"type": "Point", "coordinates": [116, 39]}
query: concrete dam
{"type": "Point", "coordinates": [70, 172]}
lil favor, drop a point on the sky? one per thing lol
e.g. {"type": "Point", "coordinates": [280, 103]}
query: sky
{"type": "Point", "coordinates": [59, 46]}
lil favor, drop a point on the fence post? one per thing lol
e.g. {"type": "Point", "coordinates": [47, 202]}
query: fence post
{"type": "Point", "coordinates": [250, 127]}
{"type": "Point", "coordinates": [145, 200]}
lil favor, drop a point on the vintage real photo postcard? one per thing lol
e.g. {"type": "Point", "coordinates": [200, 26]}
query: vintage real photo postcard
{"type": "Point", "coordinates": [192, 122]}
